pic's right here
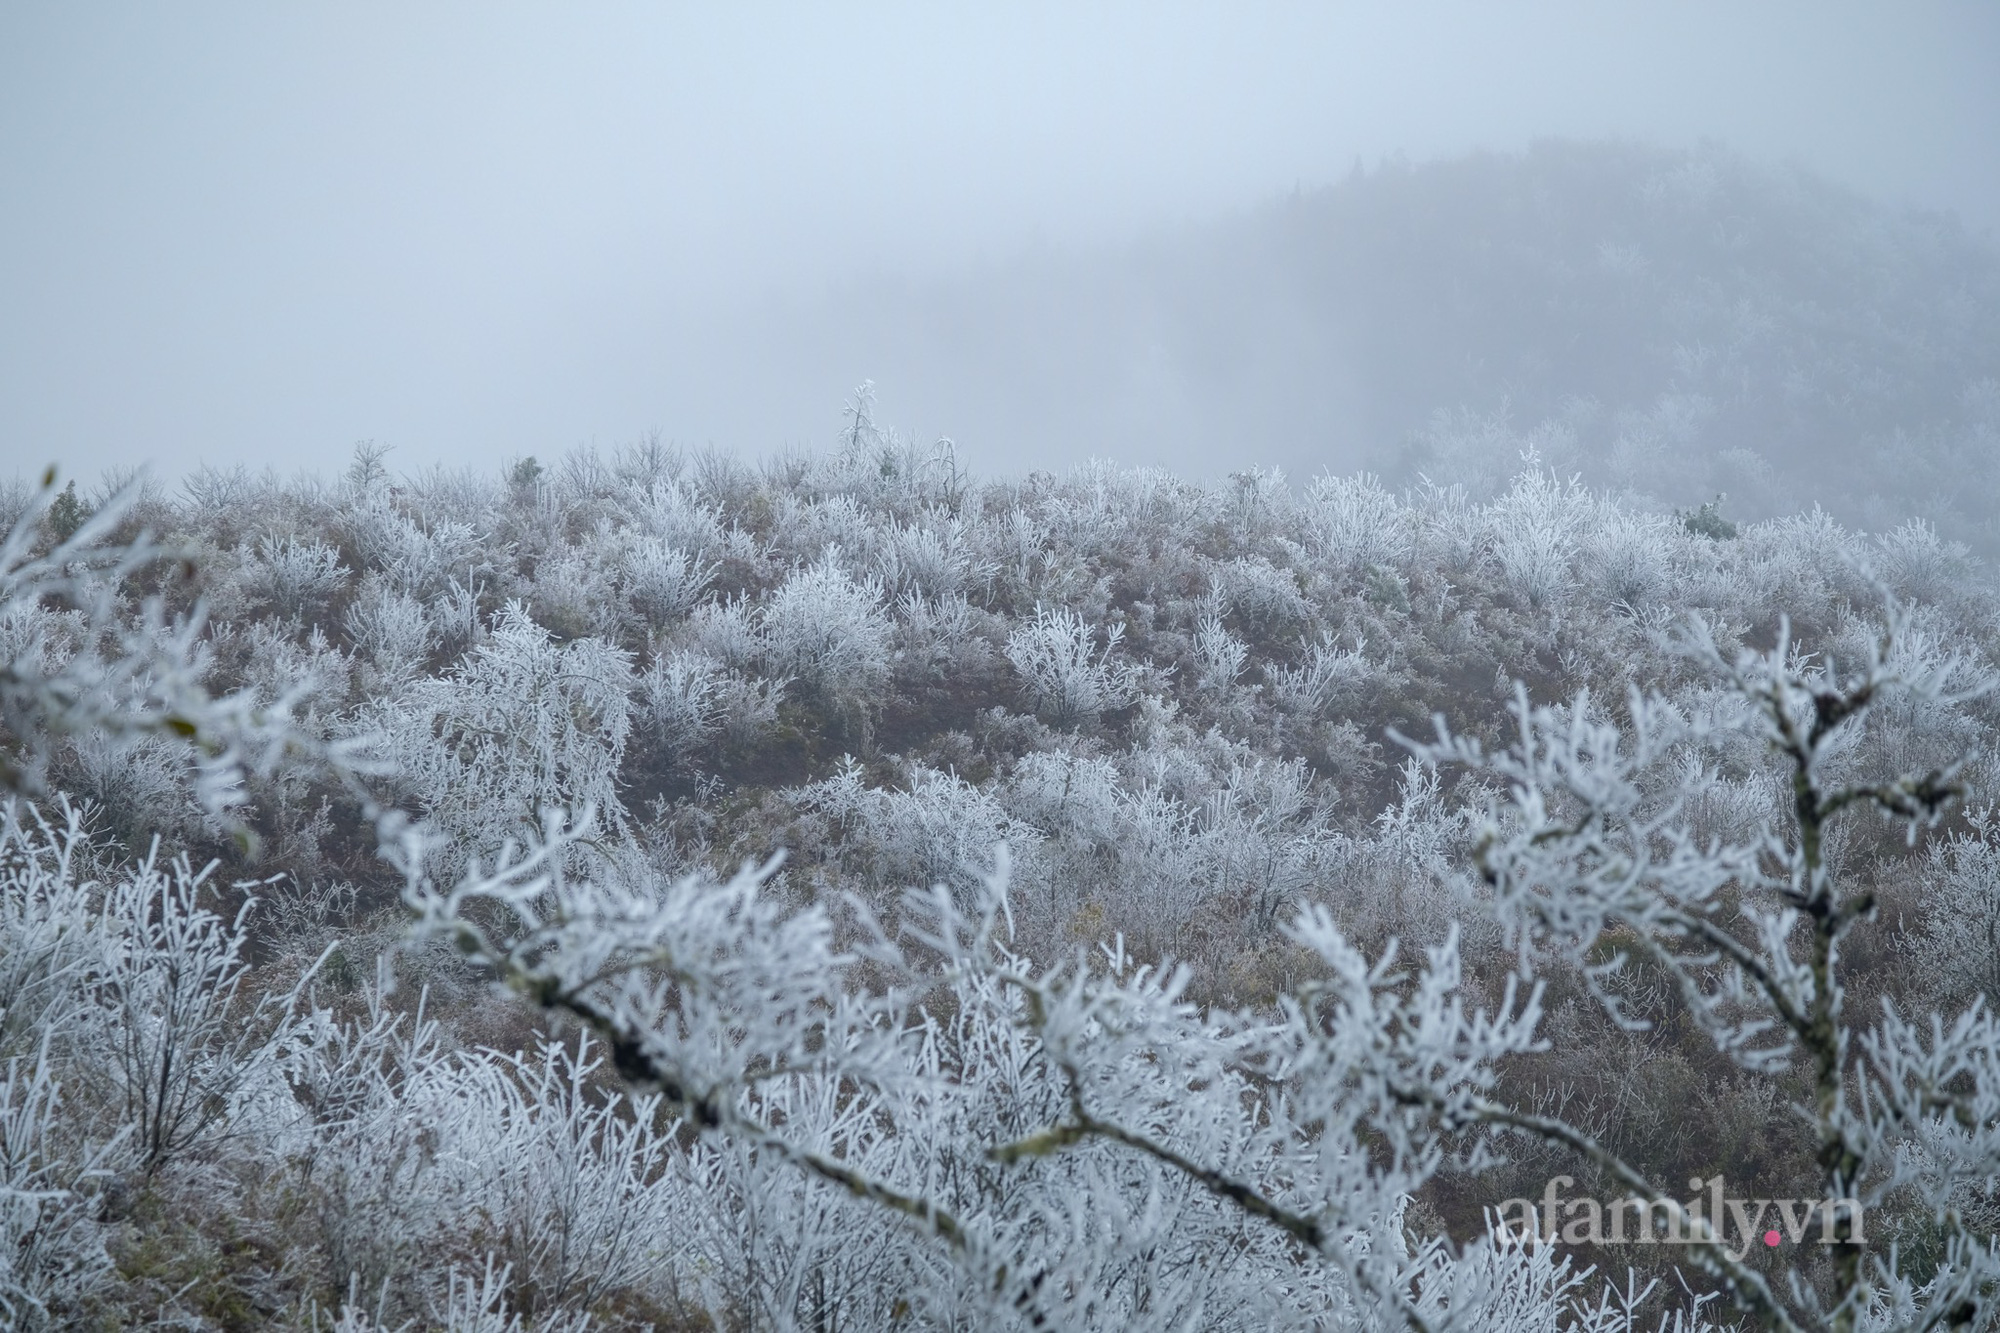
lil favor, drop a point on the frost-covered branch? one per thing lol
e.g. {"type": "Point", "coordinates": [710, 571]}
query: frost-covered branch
{"type": "Point", "coordinates": [81, 655]}
{"type": "Point", "coordinates": [1588, 860]}
{"type": "Point", "coordinates": [699, 991]}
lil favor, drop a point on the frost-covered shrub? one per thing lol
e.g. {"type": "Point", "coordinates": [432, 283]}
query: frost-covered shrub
{"type": "Point", "coordinates": [710, 671]}
{"type": "Point", "coordinates": [1399, 882]}
{"type": "Point", "coordinates": [179, 1052]}
{"type": "Point", "coordinates": [1266, 597]}
{"type": "Point", "coordinates": [726, 632]}
{"type": "Point", "coordinates": [833, 529]}
{"type": "Point", "coordinates": [1263, 841]}
{"type": "Point", "coordinates": [680, 696]}
{"type": "Point", "coordinates": [1160, 855]}
{"type": "Point", "coordinates": [470, 1303]}
{"type": "Point", "coordinates": [52, 1254]}
{"type": "Point", "coordinates": [307, 674]}
{"type": "Point", "coordinates": [661, 582]}
{"type": "Point", "coordinates": [1018, 543]}
{"type": "Point", "coordinates": [1959, 949]}
{"type": "Point", "coordinates": [143, 778]}
{"type": "Point", "coordinates": [677, 518]}
{"type": "Point", "coordinates": [133, 1052]}
{"type": "Point", "coordinates": [1920, 566]}
{"type": "Point", "coordinates": [1535, 526]}
{"type": "Point", "coordinates": [936, 635]}
{"type": "Point", "coordinates": [1628, 557]}
{"type": "Point", "coordinates": [574, 1190]}
{"type": "Point", "coordinates": [571, 595]}
{"type": "Point", "coordinates": [1717, 806]}
{"type": "Point", "coordinates": [1065, 672]}
{"type": "Point", "coordinates": [461, 494]}
{"type": "Point", "coordinates": [418, 559]}
{"type": "Point", "coordinates": [1802, 560]}
{"type": "Point", "coordinates": [932, 559]}
{"type": "Point", "coordinates": [46, 946]}
{"type": "Point", "coordinates": [1325, 673]}
{"type": "Point", "coordinates": [84, 659]}
{"type": "Point", "coordinates": [1352, 522]}
{"type": "Point", "coordinates": [1084, 510]}
{"type": "Point", "coordinates": [294, 578]}
{"type": "Point", "coordinates": [830, 634]}
{"type": "Point", "coordinates": [54, 1153]}
{"type": "Point", "coordinates": [377, 1098]}
{"type": "Point", "coordinates": [16, 498]}
{"type": "Point", "coordinates": [522, 724]}
{"type": "Point", "coordinates": [1452, 533]}
{"type": "Point", "coordinates": [392, 631]}
{"type": "Point", "coordinates": [1218, 656]}
{"type": "Point", "coordinates": [939, 830]}
{"type": "Point", "coordinates": [748, 706]}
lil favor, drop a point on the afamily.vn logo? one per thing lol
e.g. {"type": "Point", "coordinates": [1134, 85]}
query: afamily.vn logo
{"type": "Point", "coordinates": [1710, 1215]}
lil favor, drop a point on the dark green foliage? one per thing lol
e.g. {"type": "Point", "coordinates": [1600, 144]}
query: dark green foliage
{"type": "Point", "coordinates": [1708, 521]}
{"type": "Point", "coordinates": [66, 514]}
{"type": "Point", "coordinates": [524, 474]}
{"type": "Point", "coordinates": [1387, 589]}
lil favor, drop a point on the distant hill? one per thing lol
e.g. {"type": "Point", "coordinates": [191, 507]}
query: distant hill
{"type": "Point", "coordinates": [1670, 324]}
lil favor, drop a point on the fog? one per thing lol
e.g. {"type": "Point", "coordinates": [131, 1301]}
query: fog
{"type": "Point", "coordinates": [244, 234]}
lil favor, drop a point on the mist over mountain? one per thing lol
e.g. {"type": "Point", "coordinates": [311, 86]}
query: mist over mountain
{"type": "Point", "coordinates": [1671, 324]}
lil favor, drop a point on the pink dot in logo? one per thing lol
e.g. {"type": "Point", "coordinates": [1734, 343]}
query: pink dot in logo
{"type": "Point", "coordinates": [1772, 1238]}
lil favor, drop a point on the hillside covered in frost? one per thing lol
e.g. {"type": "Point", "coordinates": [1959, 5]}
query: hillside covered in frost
{"type": "Point", "coordinates": [1187, 711]}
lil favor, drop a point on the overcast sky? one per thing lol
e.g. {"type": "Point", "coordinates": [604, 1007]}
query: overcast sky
{"type": "Point", "coordinates": [260, 233]}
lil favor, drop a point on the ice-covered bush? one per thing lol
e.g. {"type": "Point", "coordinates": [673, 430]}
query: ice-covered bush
{"type": "Point", "coordinates": [939, 830]}
{"type": "Point", "coordinates": [392, 632]}
{"type": "Point", "coordinates": [1065, 672]}
{"type": "Point", "coordinates": [1959, 945]}
{"type": "Point", "coordinates": [1352, 522]}
{"type": "Point", "coordinates": [522, 724]}
{"type": "Point", "coordinates": [1324, 674]}
{"type": "Point", "coordinates": [830, 634]}
{"type": "Point", "coordinates": [130, 1051]}
{"type": "Point", "coordinates": [1535, 526]}
{"type": "Point", "coordinates": [680, 696]}
{"type": "Point", "coordinates": [662, 583]}
{"type": "Point", "coordinates": [52, 1255]}
{"type": "Point", "coordinates": [294, 578]}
